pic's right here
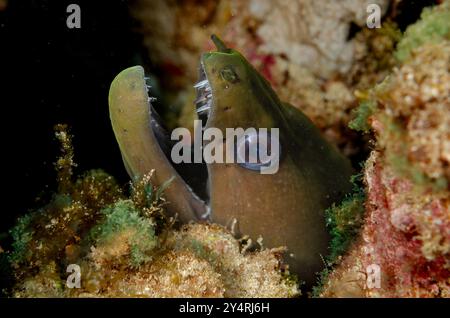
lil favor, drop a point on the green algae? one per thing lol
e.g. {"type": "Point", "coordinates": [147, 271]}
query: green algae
{"type": "Point", "coordinates": [21, 235]}
{"type": "Point", "coordinates": [123, 217]}
{"type": "Point", "coordinates": [361, 115]}
{"type": "Point", "coordinates": [58, 233]}
{"type": "Point", "coordinates": [433, 27]}
{"type": "Point", "coordinates": [344, 221]}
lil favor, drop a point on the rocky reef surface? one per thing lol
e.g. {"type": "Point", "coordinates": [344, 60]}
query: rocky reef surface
{"type": "Point", "coordinates": [404, 242]}
{"type": "Point", "coordinates": [124, 246]}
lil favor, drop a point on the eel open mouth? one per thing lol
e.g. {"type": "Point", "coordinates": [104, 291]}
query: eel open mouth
{"type": "Point", "coordinates": [195, 175]}
{"type": "Point", "coordinates": [146, 144]}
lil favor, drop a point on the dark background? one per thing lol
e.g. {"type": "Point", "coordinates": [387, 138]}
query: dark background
{"type": "Point", "coordinates": [50, 75]}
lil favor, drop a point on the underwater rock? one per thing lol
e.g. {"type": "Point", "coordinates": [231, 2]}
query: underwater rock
{"type": "Point", "coordinates": [176, 32]}
{"type": "Point", "coordinates": [199, 260]}
{"type": "Point", "coordinates": [311, 34]}
{"type": "Point", "coordinates": [403, 249]}
{"type": "Point", "coordinates": [414, 106]}
{"type": "Point", "coordinates": [125, 246]}
{"type": "Point", "coordinates": [404, 245]}
{"type": "Point", "coordinates": [432, 27]}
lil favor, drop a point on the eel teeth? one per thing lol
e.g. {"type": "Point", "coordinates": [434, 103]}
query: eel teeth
{"type": "Point", "coordinates": [202, 84]}
{"type": "Point", "coordinates": [204, 108]}
{"type": "Point", "coordinates": [204, 102]}
{"type": "Point", "coordinates": [152, 99]}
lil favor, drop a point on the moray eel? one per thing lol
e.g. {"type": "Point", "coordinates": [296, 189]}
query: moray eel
{"type": "Point", "coordinates": [285, 208]}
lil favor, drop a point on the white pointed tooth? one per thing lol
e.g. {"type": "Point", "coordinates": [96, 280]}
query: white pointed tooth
{"type": "Point", "coordinates": [201, 84]}
{"type": "Point", "coordinates": [207, 89]}
{"type": "Point", "coordinates": [148, 86]}
{"type": "Point", "coordinates": [203, 108]}
{"type": "Point", "coordinates": [152, 99]}
{"type": "Point", "coordinates": [146, 78]}
{"type": "Point", "coordinates": [209, 96]}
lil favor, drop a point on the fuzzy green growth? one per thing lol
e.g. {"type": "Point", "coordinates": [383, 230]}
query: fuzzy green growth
{"type": "Point", "coordinates": [90, 204]}
{"type": "Point", "coordinates": [344, 222]}
{"type": "Point", "coordinates": [153, 195]}
{"type": "Point", "coordinates": [21, 235]}
{"type": "Point", "coordinates": [433, 27]}
{"type": "Point", "coordinates": [361, 116]}
{"type": "Point", "coordinates": [139, 232]}
{"type": "Point", "coordinates": [148, 199]}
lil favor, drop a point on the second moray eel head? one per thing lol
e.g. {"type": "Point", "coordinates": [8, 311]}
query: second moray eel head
{"type": "Point", "coordinates": [285, 208]}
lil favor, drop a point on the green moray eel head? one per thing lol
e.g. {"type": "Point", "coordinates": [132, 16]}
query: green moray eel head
{"type": "Point", "coordinates": [230, 85]}
{"type": "Point", "coordinates": [285, 208]}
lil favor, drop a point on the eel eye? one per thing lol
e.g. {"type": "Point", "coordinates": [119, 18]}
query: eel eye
{"type": "Point", "coordinates": [229, 74]}
{"type": "Point", "coordinates": [256, 150]}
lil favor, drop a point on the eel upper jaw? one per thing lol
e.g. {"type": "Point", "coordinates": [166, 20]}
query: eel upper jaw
{"type": "Point", "coordinates": [204, 101]}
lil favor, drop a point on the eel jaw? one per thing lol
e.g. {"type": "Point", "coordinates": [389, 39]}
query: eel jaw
{"type": "Point", "coordinates": [145, 144]}
{"type": "Point", "coordinates": [194, 175]}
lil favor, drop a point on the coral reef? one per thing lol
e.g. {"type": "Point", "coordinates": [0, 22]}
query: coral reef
{"type": "Point", "coordinates": [125, 246]}
{"type": "Point", "coordinates": [175, 33]}
{"type": "Point", "coordinates": [413, 120]}
{"type": "Point", "coordinates": [404, 236]}
{"type": "Point", "coordinates": [200, 260]}
{"type": "Point", "coordinates": [312, 34]}
{"type": "Point", "coordinates": [345, 220]}
{"type": "Point", "coordinates": [403, 249]}
{"type": "Point", "coordinates": [431, 28]}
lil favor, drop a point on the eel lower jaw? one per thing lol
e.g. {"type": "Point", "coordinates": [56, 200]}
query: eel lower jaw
{"type": "Point", "coordinates": [194, 175]}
